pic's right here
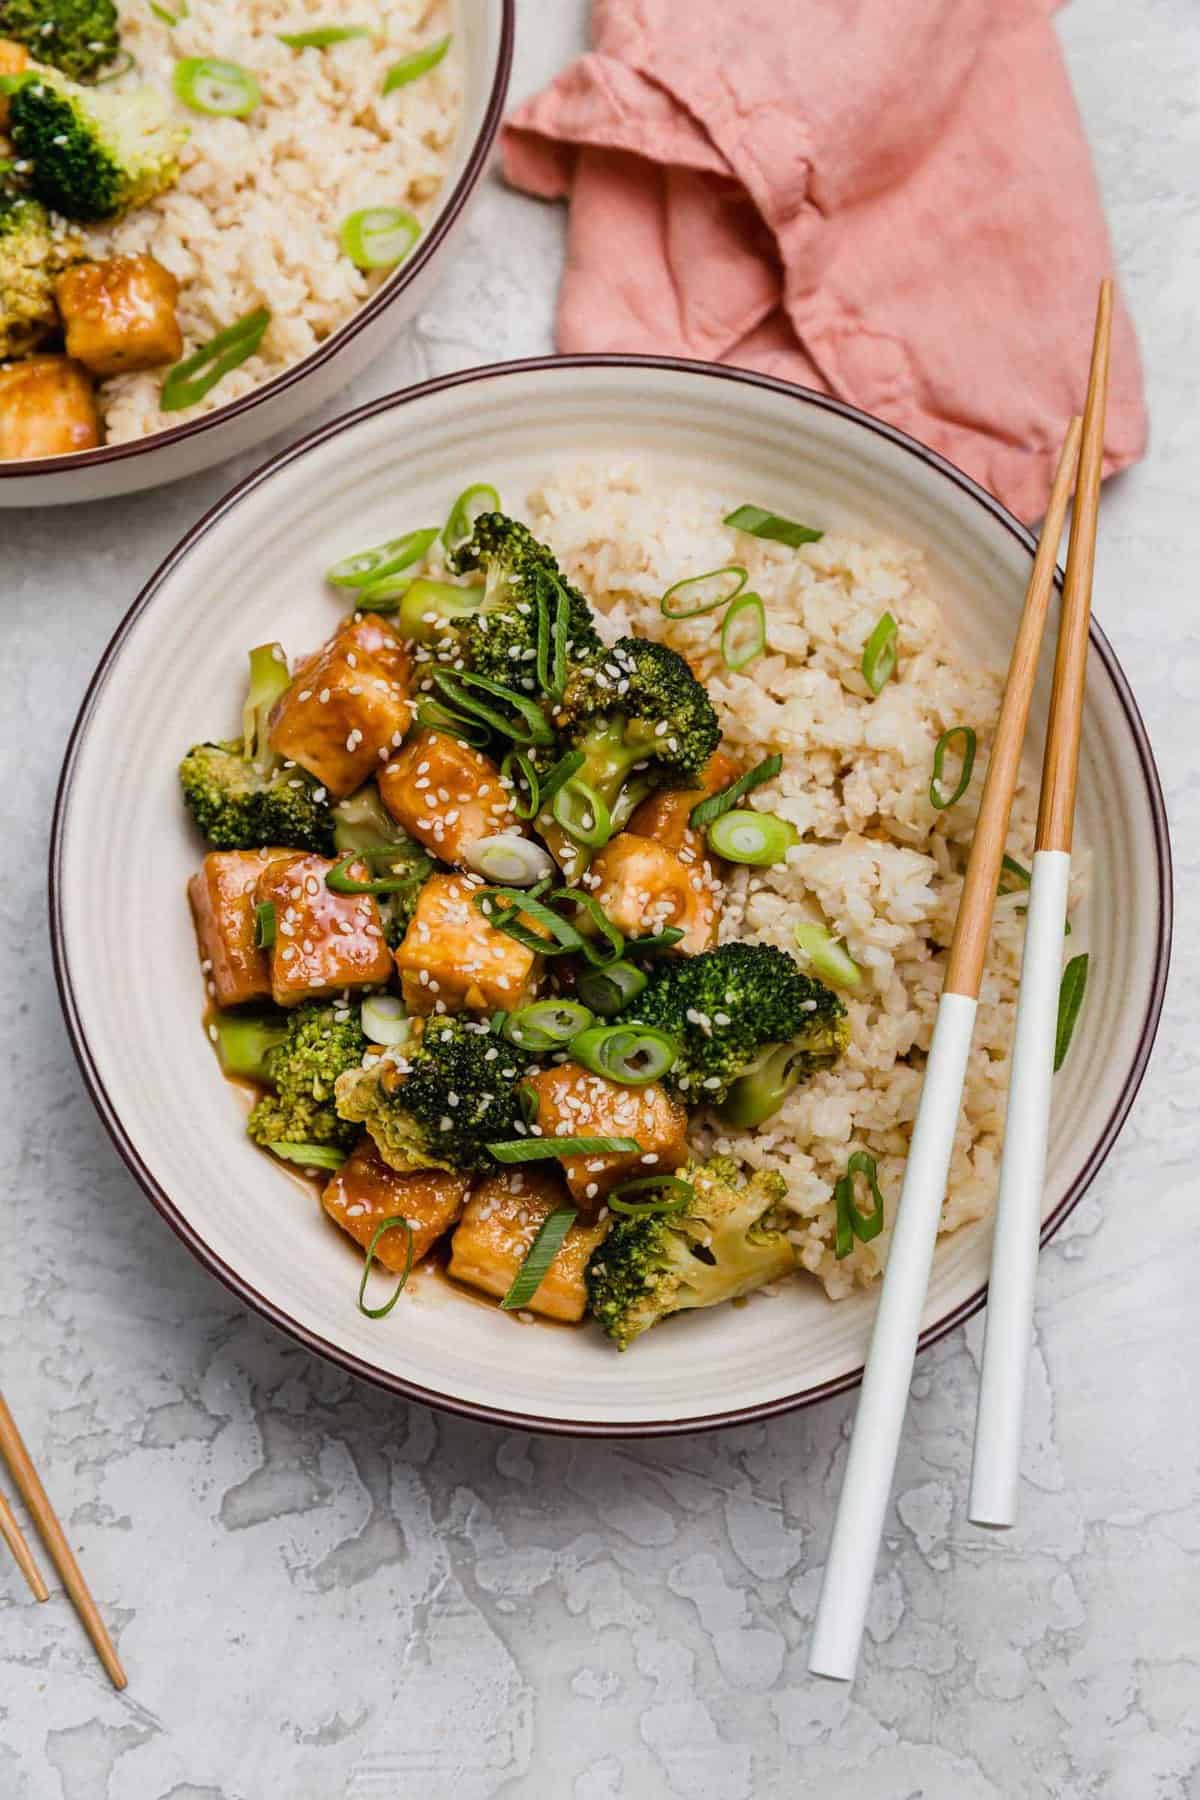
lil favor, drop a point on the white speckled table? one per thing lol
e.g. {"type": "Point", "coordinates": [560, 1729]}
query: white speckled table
{"type": "Point", "coordinates": [320, 1592]}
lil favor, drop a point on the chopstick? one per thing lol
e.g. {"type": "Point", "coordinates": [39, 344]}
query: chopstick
{"type": "Point", "coordinates": [858, 1525]}
{"type": "Point", "coordinates": [13, 1536]}
{"type": "Point", "coordinates": [29, 1486]}
{"type": "Point", "coordinates": [995, 1473]}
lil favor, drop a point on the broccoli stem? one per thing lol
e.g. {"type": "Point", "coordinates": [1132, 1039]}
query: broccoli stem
{"type": "Point", "coordinates": [363, 822]}
{"type": "Point", "coordinates": [611, 754]}
{"type": "Point", "coordinates": [760, 1092]}
{"type": "Point", "coordinates": [269, 678]}
{"type": "Point", "coordinates": [244, 1041]}
{"type": "Point", "coordinates": [430, 607]}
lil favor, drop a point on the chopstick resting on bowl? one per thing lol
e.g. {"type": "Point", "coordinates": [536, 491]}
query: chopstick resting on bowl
{"type": "Point", "coordinates": [866, 1486]}
{"type": "Point", "coordinates": [995, 1472]}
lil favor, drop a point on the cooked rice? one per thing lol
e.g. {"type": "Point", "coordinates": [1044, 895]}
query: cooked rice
{"type": "Point", "coordinates": [254, 218]}
{"type": "Point", "coordinates": [878, 863]}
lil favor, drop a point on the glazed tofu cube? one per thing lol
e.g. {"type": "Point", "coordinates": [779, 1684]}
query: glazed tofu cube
{"type": "Point", "coordinates": [445, 794]}
{"type": "Point", "coordinates": [13, 58]}
{"type": "Point", "coordinates": [664, 815]}
{"type": "Point", "coordinates": [323, 940]}
{"type": "Point", "coordinates": [222, 893]}
{"type": "Point", "coordinates": [365, 1191]}
{"type": "Point", "coordinates": [347, 707]}
{"type": "Point", "coordinates": [47, 408]}
{"type": "Point", "coordinates": [572, 1102]}
{"type": "Point", "coordinates": [644, 887]}
{"type": "Point", "coordinates": [451, 959]}
{"type": "Point", "coordinates": [500, 1222]}
{"type": "Point", "coordinates": [119, 314]}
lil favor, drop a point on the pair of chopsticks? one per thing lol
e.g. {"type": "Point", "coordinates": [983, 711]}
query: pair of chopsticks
{"type": "Point", "coordinates": [850, 1569]}
{"type": "Point", "coordinates": [28, 1485]}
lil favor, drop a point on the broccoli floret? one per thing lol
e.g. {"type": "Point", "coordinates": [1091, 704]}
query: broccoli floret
{"type": "Point", "coordinates": [77, 36]}
{"type": "Point", "coordinates": [245, 1040]}
{"type": "Point", "coordinates": [440, 1105]}
{"type": "Point", "coordinates": [241, 794]}
{"type": "Point", "coordinates": [32, 255]}
{"type": "Point", "coordinates": [91, 155]}
{"type": "Point", "coordinates": [730, 1240]}
{"type": "Point", "coordinates": [750, 1023]}
{"type": "Point", "coordinates": [319, 1043]}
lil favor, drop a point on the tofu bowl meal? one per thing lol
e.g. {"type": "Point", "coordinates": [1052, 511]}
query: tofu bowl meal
{"type": "Point", "coordinates": [212, 212]}
{"type": "Point", "coordinates": [558, 835]}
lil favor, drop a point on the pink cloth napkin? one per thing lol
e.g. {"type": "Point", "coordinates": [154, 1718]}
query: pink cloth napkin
{"type": "Point", "coordinates": [889, 200]}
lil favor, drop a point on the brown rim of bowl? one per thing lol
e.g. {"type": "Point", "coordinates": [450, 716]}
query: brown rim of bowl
{"type": "Point", "coordinates": [1104, 658]}
{"type": "Point", "coordinates": [370, 309]}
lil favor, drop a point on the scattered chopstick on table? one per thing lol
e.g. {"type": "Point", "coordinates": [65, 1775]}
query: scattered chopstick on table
{"type": "Point", "coordinates": [13, 1536]}
{"type": "Point", "coordinates": [995, 1471]}
{"type": "Point", "coordinates": [29, 1486]}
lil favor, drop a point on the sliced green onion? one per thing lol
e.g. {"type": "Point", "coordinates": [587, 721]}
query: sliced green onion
{"type": "Point", "coordinates": [190, 380]}
{"type": "Point", "coordinates": [611, 989]}
{"type": "Point", "coordinates": [264, 924]}
{"type": "Point", "coordinates": [612, 939]}
{"type": "Point", "coordinates": [582, 813]}
{"type": "Point", "coordinates": [481, 498]}
{"type": "Point", "coordinates": [321, 36]}
{"type": "Point", "coordinates": [944, 743]}
{"type": "Point", "coordinates": [379, 237]}
{"type": "Point", "coordinates": [541, 1253]}
{"type": "Point", "coordinates": [428, 608]}
{"type": "Point", "coordinates": [744, 632]}
{"type": "Point", "coordinates": [564, 940]}
{"type": "Point", "coordinates": [677, 1195]}
{"type": "Point", "coordinates": [828, 956]}
{"type": "Point", "coordinates": [1013, 876]}
{"type": "Point", "coordinates": [851, 1223]}
{"type": "Point", "coordinates": [552, 640]}
{"type": "Point", "coordinates": [561, 772]}
{"type": "Point", "coordinates": [510, 859]}
{"type": "Point", "coordinates": [630, 1054]}
{"type": "Point", "coordinates": [170, 18]}
{"type": "Point", "coordinates": [433, 716]}
{"type": "Point", "coordinates": [699, 594]}
{"type": "Point", "coordinates": [310, 1156]}
{"type": "Point", "coordinates": [540, 1149]}
{"type": "Point", "coordinates": [419, 63]}
{"type": "Point", "coordinates": [223, 90]}
{"type": "Point", "coordinates": [366, 567]}
{"type": "Point", "coordinates": [459, 689]}
{"type": "Point", "coordinates": [340, 881]}
{"type": "Point", "coordinates": [1070, 999]}
{"type": "Point", "coordinates": [385, 1021]}
{"type": "Point", "coordinates": [123, 63]}
{"type": "Point", "coordinates": [752, 837]}
{"type": "Point", "coordinates": [760, 523]}
{"type": "Point", "coordinates": [880, 653]}
{"type": "Point", "coordinates": [397, 1222]}
{"type": "Point", "coordinates": [519, 770]}
{"type": "Point", "coordinates": [705, 811]}
{"type": "Point", "coordinates": [666, 939]}
{"type": "Point", "coordinates": [547, 1024]}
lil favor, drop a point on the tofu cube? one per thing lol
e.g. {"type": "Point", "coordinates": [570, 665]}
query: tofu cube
{"type": "Point", "coordinates": [366, 1191]}
{"type": "Point", "coordinates": [445, 794]}
{"type": "Point", "coordinates": [347, 707]}
{"type": "Point", "coordinates": [451, 955]}
{"type": "Point", "coordinates": [323, 940]}
{"type": "Point", "coordinates": [572, 1102]}
{"type": "Point", "coordinates": [500, 1222]}
{"type": "Point", "coordinates": [222, 893]}
{"type": "Point", "coordinates": [13, 58]}
{"type": "Point", "coordinates": [47, 408]}
{"type": "Point", "coordinates": [644, 887]}
{"type": "Point", "coordinates": [119, 314]}
{"type": "Point", "coordinates": [664, 814]}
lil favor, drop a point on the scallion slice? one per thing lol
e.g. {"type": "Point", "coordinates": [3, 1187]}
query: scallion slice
{"type": "Point", "coordinates": [366, 567]}
{"type": "Point", "coordinates": [167, 17]}
{"type": "Point", "coordinates": [611, 989]}
{"type": "Point", "coordinates": [397, 1222]}
{"type": "Point", "coordinates": [382, 856]}
{"type": "Point", "coordinates": [309, 1156]}
{"type": "Point", "coordinates": [936, 797]}
{"type": "Point", "coordinates": [631, 1054]}
{"type": "Point", "coordinates": [563, 939]}
{"type": "Point", "coordinates": [880, 652]}
{"type": "Point", "coordinates": [828, 956]}
{"type": "Point", "coordinates": [763, 524]}
{"type": "Point", "coordinates": [677, 1195]}
{"type": "Point", "coordinates": [385, 1021]}
{"type": "Point", "coordinates": [433, 716]}
{"type": "Point", "coordinates": [542, 1149]}
{"type": "Point", "coordinates": [379, 237]}
{"type": "Point", "coordinates": [547, 1024]}
{"type": "Point", "coordinates": [510, 859]}
{"type": "Point", "coordinates": [222, 90]}
{"type": "Point", "coordinates": [541, 1253]}
{"type": "Point", "coordinates": [610, 941]}
{"type": "Point", "coordinates": [696, 595]}
{"type": "Point", "coordinates": [460, 688]}
{"type": "Point", "coordinates": [752, 837]}
{"type": "Point", "coordinates": [409, 68]}
{"type": "Point", "coordinates": [561, 771]}
{"type": "Point", "coordinates": [1070, 999]}
{"type": "Point", "coordinates": [851, 1223]}
{"type": "Point", "coordinates": [744, 632]}
{"type": "Point", "coordinates": [264, 924]}
{"type": "Point", "coordinates": [190, 380]}
{"type": "Point", "coordinates": [705, 811]}
{"type": "Point", "coordinates": [480, 498]}
{"type": "Point", "coordinates": [121, 65]}
{"type": "Point", "coordinates": [321, 36]}
{"type": "Point", "coordinates": [519, 770]}
{"type": "Point", "coordinates": [582, 813]}
{"type": "Point", "coordinates": [666, 939]}
{"type": "Point", "coordinates": [552, 640]}
{"type": "Point", "coordinates": [1013, 876]}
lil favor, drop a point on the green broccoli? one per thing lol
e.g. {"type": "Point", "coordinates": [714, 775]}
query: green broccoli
{"type": "Point", "coordinates": [76, 36]}
{"type": "Point", "coordinates": [91, 155]}
{"type": "Point", "coordinates": [363, 823]}
{"type": "Point", "coordinates": [32, 255]}
{"type": "Point", "coordinates": [750, 1023]}
{"type": "Point", "coordinates": [316, 1044]}
{"type": "Point", "coordinates": [245, 1039]}
{"type": "Point", "coordinates": [241, 794]}
{"type": "Point", "coordinates": [440, 1105]}
{"type": "Point", "coordinates": [729, 1240]}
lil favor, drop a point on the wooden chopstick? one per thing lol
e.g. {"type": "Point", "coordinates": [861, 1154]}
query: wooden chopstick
{"type": "Point", "coordinates": [996, 1464]}
{"type": "Point", "coordinates": [870, 1467]}
{"type": "Point", "coordinates": [13, 1536]}
{"type": "Point", "coordinates": [29, 1486]}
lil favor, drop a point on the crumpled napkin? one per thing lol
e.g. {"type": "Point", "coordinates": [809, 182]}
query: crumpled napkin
{"type": "Point", "coordinates": [891, 201]}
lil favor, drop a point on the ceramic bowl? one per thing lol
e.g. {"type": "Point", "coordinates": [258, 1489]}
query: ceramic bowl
{"type": "Point", "coordinates": [122, 851]}
{"type": "Point", "coordinates": [485, 31]}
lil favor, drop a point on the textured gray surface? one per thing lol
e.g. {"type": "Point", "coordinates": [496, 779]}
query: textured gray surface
{"type": "Point", "coordinates": [320, 1592]}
